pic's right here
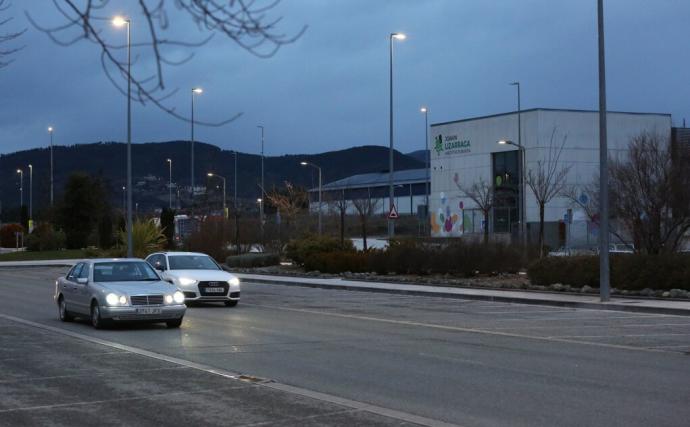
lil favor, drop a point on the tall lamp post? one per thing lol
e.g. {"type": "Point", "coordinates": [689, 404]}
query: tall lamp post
{"type": "Point", "coordinates": [195, 91]}
{"type": "Point", "coordinates": [21, 188]}
{"type": "Point", "coordinates": [211, 175]}
{"type": "Point", "coordinates": [31, 196]}
{"type": "Point", "coordinates": [391, 191]}
{"type": "Point", "coordinates": [261, 205]}
{"type": "Point", "coordinates": [236, 208]}
{"type": "Point", "coordinates": [523, 195]}
{"type": "Point", "coordinates": [169, 183]}
{"type": "Point", "coordinates": [427, 166]}
{"type": "Point", "coordinates": [604, 291]}
{"type": "Point", "coordinates": [523, 170]}
{"type": "Point", "coordinates": [119, 21]}
{"type": "Point", "coordinates": [124, 198]}
{"type": "Point", "coordinates": [319, 168]}
{"type": "Point", "coordinates": [50, 131]}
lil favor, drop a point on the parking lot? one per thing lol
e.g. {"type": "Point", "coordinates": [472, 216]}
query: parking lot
{"type": "Point", "coordinates": [458, 361]}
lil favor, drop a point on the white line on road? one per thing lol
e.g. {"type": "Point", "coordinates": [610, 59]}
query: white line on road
{"type": "Point", "coordinates": [390, 413]}
{"type": "Point", "coordinates": [461, 329]}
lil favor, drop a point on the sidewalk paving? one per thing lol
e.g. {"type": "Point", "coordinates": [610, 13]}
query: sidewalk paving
{"type": "Point", "coordinates": [658, 306]}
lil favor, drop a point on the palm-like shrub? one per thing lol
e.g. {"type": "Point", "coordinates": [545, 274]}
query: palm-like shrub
{"type": "Point", "coordinates": [146, 238]}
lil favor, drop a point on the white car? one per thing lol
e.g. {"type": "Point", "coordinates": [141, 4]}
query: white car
{"type": "Point", "coordinates": [198, 275]}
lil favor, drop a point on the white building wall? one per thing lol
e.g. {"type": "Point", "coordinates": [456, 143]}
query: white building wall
{"type": "Point", "coordinates": [451, 168]}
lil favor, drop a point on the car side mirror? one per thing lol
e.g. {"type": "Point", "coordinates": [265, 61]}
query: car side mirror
{"type": "Point", "coordinates": [82, 280]}
{"type": "Point", "coordinates": [160, 267]}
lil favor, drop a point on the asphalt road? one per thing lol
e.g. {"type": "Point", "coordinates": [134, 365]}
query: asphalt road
{"type": "Point", "coordinates": [472, 363]}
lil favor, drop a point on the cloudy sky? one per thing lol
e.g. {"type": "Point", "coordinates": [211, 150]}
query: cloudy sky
{"type": "Point", "coordinates": [329, 90]}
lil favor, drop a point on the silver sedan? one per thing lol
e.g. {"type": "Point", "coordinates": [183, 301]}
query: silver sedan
{"type": "Point", "coordinates": [108, 290]}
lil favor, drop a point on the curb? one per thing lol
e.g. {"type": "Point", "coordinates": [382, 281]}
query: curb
{"type": "Point", "coordinates": [569, 304]}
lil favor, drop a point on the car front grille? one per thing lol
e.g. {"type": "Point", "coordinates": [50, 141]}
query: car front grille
{"type": "Point", "coordinates": [146, 299]}
{"type": "Point", "coordinates": [203, 286]}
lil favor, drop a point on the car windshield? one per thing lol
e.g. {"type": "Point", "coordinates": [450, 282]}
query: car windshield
{"type": "Point", "coordinates": [192, 262]}
{"type": "Point", "coordinates": [134, 271]}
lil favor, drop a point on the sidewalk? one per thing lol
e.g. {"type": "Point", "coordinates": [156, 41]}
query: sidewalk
{"type": "Point", "coordinates": [523, 297]}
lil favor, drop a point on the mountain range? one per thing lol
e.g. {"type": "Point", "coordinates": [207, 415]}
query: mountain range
{"type": "Point", "coordinates": [150, 168]}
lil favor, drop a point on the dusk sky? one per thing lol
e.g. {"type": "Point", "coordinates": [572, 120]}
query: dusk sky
{"type": "Point", "coordinates": [329, 89]}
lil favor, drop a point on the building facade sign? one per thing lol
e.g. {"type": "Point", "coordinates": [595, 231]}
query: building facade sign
{"type": "Point", "coordinates": [451, 144]}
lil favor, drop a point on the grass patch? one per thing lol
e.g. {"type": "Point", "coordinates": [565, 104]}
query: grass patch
{"type": "Point", "coordinates": [47, 255]}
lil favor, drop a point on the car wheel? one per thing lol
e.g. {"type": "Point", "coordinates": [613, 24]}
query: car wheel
{"type": "Point", "coordinates": [65, 315]}
{"type": "Point", "coordinates": [231, 303]}
{"type": "Point", "coordinates": [96, 320]}
{"type": "Point", "coordinates": [174, 323]}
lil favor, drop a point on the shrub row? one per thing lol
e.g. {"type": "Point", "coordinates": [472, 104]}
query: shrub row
{"type": "Point", "coordinates": [251, 260]}
{"type": "Point", "coordinates": [422, 258]}
{"type": "Point", "coordinates": [301, 250]}
{"type": "Point", "coordinates": [631, 272]}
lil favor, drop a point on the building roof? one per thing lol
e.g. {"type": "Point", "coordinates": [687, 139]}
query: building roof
{"type": "Point", "coordinates": [564, 110]}
{"type": "Point", "coordinates": [377, 179]}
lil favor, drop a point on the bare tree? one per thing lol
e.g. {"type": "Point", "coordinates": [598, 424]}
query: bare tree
{"type": "Point", "coordinates": [338, 203]}
{"type": "Point", "coordinates": [650, 193]}
{"type": "Point", "coordinates": [365, 209]}
{"type": "Point", "coordinates": [290, 201]}
{"type": "Point", "coordinates": [547, 180]}
{"type": "Point", "coordinates": [482, 194]}
{"type": "Point", "coordinates": [6, 37]}
{"type": "Point", "coordinates": [247, 23]}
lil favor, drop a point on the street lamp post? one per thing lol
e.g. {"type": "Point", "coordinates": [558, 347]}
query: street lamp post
{"type": "Point", "coordinates": [196, 90]}
{"type": "Point", "coordinates": [211, 175]}
{"type": "Point", "coordinates": [261, 205]}
{"type": "Point", "coordinates": [21, 188]}
{"type": "Point", "coordinates": [319, 168]}
{"type": "Point", "coordinates": [236, 209]}
{"type": "Point", "coordinates": [604, 286]}
{"type": "Point", "coordinates": [169, 183]}
{"type": "Point", "coordinates": [124, 198]}
{"type": "Point", "coordinates": [427, 166]}
{"type": "Point", "coordinates": [523, 195]}
{"type": "Point", "coordinates": [391, 191]}
{"type": "Point", "coordinates": [120, 21]}
{"type": "Point", "coordinates": [31, 194]}
{"type": "Point", "coordinates": [50, 131]}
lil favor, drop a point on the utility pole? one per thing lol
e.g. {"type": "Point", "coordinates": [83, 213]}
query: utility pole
{"type": "Point", "coordinates": [604, 286]}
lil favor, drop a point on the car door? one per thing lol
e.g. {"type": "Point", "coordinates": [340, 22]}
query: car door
{"type": "Point", "coordinates": [66, 286]}
{"type": "Point", "coordinates": [82, 294]}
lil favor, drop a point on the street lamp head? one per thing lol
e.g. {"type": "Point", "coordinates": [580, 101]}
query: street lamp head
{"type": "Point", "coordinates": [423, 109]}
{"type": "Point", "coordinates": [31, 166]}
{"type": "Point", "coordinates": [209, 174]}
{"type": "Point", "coordinates": [168, 160]}
{"type": "Point", "coordinates": [515, 84]}
{"type": "Point", "coordinates": [303, 163]}
{"type": "Point", "coordinates": [119, 21]}
{"type": "Point", "coordinates": [19, 171]}
{"type": "Point", "coordinates": [50, 129]}
{"type": "Point", "coordinates": [259, 200]}
{"type": "Point", "coordinates": [197, 90]}
{"type": "Point", "coordinates": [399, 36]}
{"type": "Point", "coordinates": [503, 142]}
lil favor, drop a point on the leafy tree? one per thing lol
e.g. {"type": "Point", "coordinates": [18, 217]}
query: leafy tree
{"type": "Point", "coordinates": [106, 236]}
{"type": "Point", "coordinates": [146, 238]}
{"type": "Point", "coordinates": [80, 209]}
{"type": "Point", "coordinates": [168, 226]}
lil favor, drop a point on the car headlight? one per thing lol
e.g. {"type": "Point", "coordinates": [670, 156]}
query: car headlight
{"type": "Point", "coordinates": [185, 281]}
{"type": "Point", "coordinates": [234, 281]}
{"type": "Point", "coordinates": [168, 299]}
{"type": "Point", "coordinates": [114, 299]}
{"type": "Point", "coordinates": [178, 297]}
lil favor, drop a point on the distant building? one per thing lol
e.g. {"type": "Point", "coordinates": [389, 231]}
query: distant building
{"type": "Point", "coordinates": [466, 151]}
{"type": "Point", "coordinates": [409, 186]}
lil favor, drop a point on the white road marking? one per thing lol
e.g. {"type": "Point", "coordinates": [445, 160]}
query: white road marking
{"type": "Point", "coordinates": [390, 413]}
{"type": "Point", "coordinates": [461, 329]}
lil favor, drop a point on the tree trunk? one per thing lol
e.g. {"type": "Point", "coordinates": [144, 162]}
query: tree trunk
{"type": "Point", "coordinates": [486, 227]}
{"type": "Point", "coordinates": [541, 230]}
{"type": "Point", "coordinates": [342, 227]}
{"type": "Point", "coordinates": [364, 232]}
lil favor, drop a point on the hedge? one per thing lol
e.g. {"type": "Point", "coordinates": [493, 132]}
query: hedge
{"type": "Point", "coordinates": [251, 260]}
{"type": "Point", "coordinates": [421, 258]}
{"type": "Point", "coordinates": [630, 272]}
{"type": "Point", "coordinates": [300, 250]}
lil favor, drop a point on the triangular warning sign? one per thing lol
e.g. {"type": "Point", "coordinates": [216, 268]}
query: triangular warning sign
{"type": "Point", "coordinates": [393, 214]}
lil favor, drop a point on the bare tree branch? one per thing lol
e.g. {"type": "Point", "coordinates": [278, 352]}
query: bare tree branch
{"type": "Point", "coordinates": [482, 194]}
{"type": "Point", "coordinates": [246, 23]}
{"type": "Point", "coordinates": [5, 37]}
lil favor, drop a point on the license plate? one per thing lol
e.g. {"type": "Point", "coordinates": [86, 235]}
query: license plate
{"type": "Point", "coordinates": [215, 290]}
{"type": "Point", "coordinates": [148, 311]}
